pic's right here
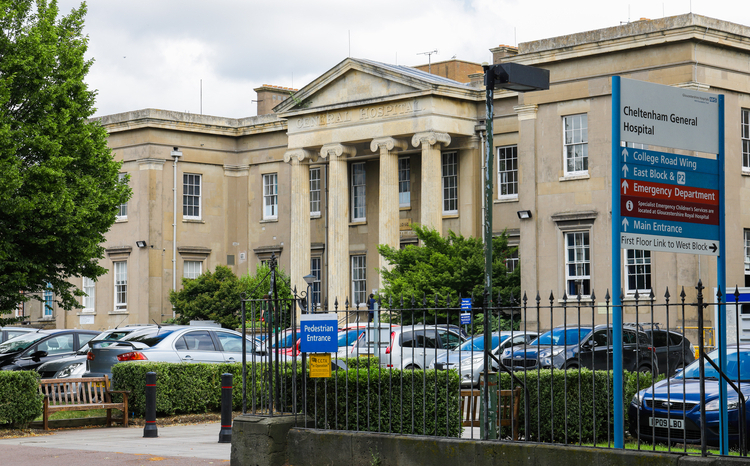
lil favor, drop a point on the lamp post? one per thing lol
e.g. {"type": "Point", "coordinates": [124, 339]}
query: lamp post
{"type": "Point", "coordinates": [519, 78]}
{"type": "Point", "coordinates": [309, 279]}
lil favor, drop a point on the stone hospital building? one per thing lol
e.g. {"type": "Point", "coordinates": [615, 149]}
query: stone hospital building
{"type": "Point", "coordinates": [326, 173]}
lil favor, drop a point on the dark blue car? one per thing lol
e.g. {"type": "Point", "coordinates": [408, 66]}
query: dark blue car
{"type": "Point", "coordinates": [670, 410]}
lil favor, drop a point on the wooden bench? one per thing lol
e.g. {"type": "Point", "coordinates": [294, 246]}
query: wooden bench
{"type": "Point", "coordinates": [81, 394]}
{"type": "Point", "coordinates": [508, 408]}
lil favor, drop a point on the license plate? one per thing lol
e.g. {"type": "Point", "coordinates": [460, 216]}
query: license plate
{"type": "Point", "coordinates": [664, 422]}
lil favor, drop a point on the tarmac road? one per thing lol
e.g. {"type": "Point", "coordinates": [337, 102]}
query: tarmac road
{"type": "Point", "coordinates": [176, 445]}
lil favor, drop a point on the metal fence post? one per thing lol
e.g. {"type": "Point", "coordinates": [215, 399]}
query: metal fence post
{"type": "Point", "coordinates": [150, 430]}
{"type": "Point", "coordinates": [225, 434]}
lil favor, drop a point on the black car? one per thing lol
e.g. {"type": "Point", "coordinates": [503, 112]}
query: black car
{"type": "Point", "coordinates": [29, 351]}
{"type": "Point", "coordinates": [573, 347]}
{"type": "Point", "coordinates": [672, 349]}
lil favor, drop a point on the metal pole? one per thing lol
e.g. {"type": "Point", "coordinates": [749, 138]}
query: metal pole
{"type": "Point", "coordinates": [225, 434]}
{"type": "Point", "coordinates": [150, 430]}
{"type": "Point", "coordinates": [244, 354]}
{"type": "Point", "coordinates": [489, 82]}
{"type": "Point", "coordinates": [701, 368]}
{"type": "Point", "coordinates": [721, 273]}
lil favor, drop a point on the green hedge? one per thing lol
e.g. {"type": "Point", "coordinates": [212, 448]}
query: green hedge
{"type": "Point", "coordinates": [579, 422]}
{"type": "Point", "coordinates": [365, 397]}
{"type": "Point", "coordinates": [20, 400]}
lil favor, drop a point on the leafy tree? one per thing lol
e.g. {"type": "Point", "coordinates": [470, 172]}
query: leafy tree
{"type": "Point", "coordinates": [449, 268]}
{"type": "Point", "coordinates": [59, 187]}
{"type": "Point", "coordinates": [211, 296]}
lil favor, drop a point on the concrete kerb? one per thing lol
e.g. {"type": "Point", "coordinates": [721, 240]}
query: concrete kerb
{"type": "Point", "coordinates": [316, 447]}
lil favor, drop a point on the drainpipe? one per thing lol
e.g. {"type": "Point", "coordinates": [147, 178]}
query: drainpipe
{"type": "Point", "coordinates": [176, 154]}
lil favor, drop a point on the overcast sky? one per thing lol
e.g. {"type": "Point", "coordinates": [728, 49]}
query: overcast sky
{"type": "Point", "coordinates": [154, 53]}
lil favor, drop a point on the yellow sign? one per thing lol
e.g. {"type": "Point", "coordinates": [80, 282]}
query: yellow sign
{"type": "Point", "coordinates": [320, 365]}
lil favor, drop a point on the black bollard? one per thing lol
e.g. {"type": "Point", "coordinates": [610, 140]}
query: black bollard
{"type": "Point", "coordinates": [150, 429]}
{"type": "Point", "coordinates": [225, 434]}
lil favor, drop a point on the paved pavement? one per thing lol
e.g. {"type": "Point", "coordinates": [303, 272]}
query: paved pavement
{"type": "Point", "coordinates": [176, 445]}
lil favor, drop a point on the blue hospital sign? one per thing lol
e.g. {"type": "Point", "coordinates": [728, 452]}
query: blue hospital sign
{"type": "Point", "coordinates": [318, 333]}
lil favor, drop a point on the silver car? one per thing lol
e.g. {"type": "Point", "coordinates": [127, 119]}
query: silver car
{"type": "Point", "coordinates": [468, 358]}
{"type": "Point", "coordinates": [171, 343]}
{"type": "Point", "coordinates": [415, 346]}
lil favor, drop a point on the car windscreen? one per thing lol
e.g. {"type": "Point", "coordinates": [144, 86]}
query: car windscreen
{"type": "Point", "coordinates": [477, 343]}
{"type": "Point", "coordinates": [692, 371]}
{"type": "Point", "coordinates": [347, 337]}
{"type": "Point", "coordinates": [21, 342]}
{"type": "Point", "coordinates": [560, 336]}
{"type": "Point", "coordinates": [148, 337]}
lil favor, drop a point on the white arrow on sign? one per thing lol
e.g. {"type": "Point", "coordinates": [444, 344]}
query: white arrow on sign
{"type": "Point", "coordinates": [625, 224]}
{"type": "Point", "coordinates": [625, 154]}
{"type": "Point", "coordinates": [624, 171]}
{"type": "Point", "coordinates": [624, 186]}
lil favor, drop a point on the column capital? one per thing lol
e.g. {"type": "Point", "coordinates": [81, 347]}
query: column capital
{"type": "Point", "coordinates": [431, 138]}
{"type": "Point", "coordinates": [526, 112]}
{"type": "Point", "coordinates": [337, 150]}
{"type": "Point", "coordinates": [388, 143]}
{"type": "Point", "coordinates": [299, 154]}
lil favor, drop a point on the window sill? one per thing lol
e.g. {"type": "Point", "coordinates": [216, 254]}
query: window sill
{"type": "Point", "coordinates": [119, 311]}
{"type": "Point", "coordinates": [573, 301]}
{"type": "Point", "coordinates": [316, 215]}
{"type": "Point", "coordinates": [192, 220]}
{"type": "Point", "coordinates": [505, 200]}
{"type": "Point", "coordinates": [643, 297]}
{"type": "Point", "coordinates": [270, 220]}
{"type": "Point", "coordinates": [47, 319]}
{"type": "Point", "coordinates": [450, 215]}
{"type": "Point", "coordinates": [404, 207]}
{"type": "Point", "coordinates": [745, 171]}
{"type": "Point", "coordinates": [575, 176]}
{"type": "Point", "coordinates": [358, 223]}
{"type": "Point", "coordinates": [121, 220]}
{"type": "Point", "coordinates": [87, 312]}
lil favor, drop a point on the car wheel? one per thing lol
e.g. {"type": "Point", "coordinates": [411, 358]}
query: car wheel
{"type": "Point", "coordinates": [411, 367]}
{"type": "Point", "coordinates": [571, 366]}
{"type": "Point", "coordinates": [646, 370]}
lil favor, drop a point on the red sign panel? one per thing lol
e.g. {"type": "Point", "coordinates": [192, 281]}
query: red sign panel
{"type": "Point", "coordinates": [669, 192]}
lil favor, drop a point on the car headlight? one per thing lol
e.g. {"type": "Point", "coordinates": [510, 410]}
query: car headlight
{"type": "Point", "coordinates": [714, 405]}
{"type": "Point", "coordinates": [68, 371]}
{"type": "Point", "coordinates": [638, 399]}
{"type": "Point", "coordinates": [557, 351]}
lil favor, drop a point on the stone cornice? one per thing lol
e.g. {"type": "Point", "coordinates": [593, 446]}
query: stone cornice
{"type": "Point", "coordinates": [337, 150]}
{"type": "Point", "coordinates": [118, 250]}
{"type": "Point", "coordinates": [236, 170]}
{"type": "Point", "coordinates": [431, 138]}
{"type": "Point", "coordinates": [526, 112]}
{"type": "Point", "coordinates": [389, 143]}
{"type": "Point", "coordinates": [194, 250]}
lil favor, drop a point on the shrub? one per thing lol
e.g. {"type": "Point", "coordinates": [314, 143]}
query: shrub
{"type": "Point", "coordinates": [559, 412]}
{"type": "Point", "coordinates": [20, 400]}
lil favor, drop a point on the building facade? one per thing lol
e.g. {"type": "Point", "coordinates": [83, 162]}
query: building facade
{"type": "Point", "coordinates": [352, 159]}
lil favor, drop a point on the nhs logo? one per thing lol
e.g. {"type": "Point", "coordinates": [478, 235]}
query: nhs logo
{"type": "Point", "coordinates": [713, 100]}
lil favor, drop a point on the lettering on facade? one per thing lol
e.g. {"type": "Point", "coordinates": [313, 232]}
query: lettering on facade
{"type": "Point", "coordinates": [324, 119]}
{"type": "Point", "coordinates": [403, 224]}
{"type": "Point", "coordinates": [382, 111]}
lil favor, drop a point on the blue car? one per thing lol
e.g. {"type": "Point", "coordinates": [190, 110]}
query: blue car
{"type": "Point", "coordinates": [669, 412]}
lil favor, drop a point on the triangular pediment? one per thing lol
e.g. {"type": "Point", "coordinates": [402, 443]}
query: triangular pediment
{"type": "Point", "coordinates": [357, 81]}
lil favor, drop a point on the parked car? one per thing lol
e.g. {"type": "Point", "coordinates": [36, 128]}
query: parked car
{"type": "Point", "coordinates": [573, 347]}
{"type": "Point", "coordinates": [6, 333]}
{"type": "Point", "coordinates": [75, 364]}
{"type": "Point", "coordinates": [673, 350]}
{"type": "Point", "coordinates": [468, 358]}
{"type": "Point", "coordinates": [670, 409]}
{"type": "Point", "coordinates": [170, 343]}
{"type": "Point", "coordinates": [31, 350]}
{"type": "Point", "coordinates": [415, 346]}
{"type": "Point", "coordinates": [371, 340]}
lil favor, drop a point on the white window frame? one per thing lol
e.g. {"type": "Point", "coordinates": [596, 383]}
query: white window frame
{"type": "Point", "coordinates": [192, 269]}
{"type": "Point", "coordinates": [122, 209]}
{"type": "Point", "coordinates": [637, 263]}
{"type": "Point", "coordinates": [315, 287]}
{"type": "Point", "coordinates": [191, 191]}
{"type": "Point", "coordinates": [577, 262]}
{"type": "Point", "coordinates": [575, 144]}
{"type": "Point", "coordinates": [512, 261]}
{"type": "Point", "coordinates": [359, 191]}
{"type": "Point", "coordinates": [89, 299]}
{"type": "Point", "coordinates": [449, 171]}
{"type": "Point", "coordinates": [270, 196]}
{"type": "Point", "coordinates": [507, 172]}
{"type": "Point", "coordinates": [745, 135]}
{"type": "Point", "coordinates": [315, 192]}
{"type": "Point", "coordinates": [359, 279]}
{"type": "Point", "coordinates": [121, 285]}
{"type": "Point", "coordinates": [404, 182]}
{"type": "Point", "coordinates": [48, 305]}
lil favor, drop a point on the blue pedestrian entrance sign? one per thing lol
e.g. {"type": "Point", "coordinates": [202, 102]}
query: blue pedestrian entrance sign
{"type": "Point", "coordinates": [318, 333]}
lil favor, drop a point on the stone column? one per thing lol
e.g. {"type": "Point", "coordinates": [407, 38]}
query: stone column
{"type": "Point", "coordinates": [388, 204]}
{"type": "Point", "coordinates": [299, 247]}
{"type": "Point", "coordinates": [527, 195]}
{"type": "Point", "coordinates": [431, 205]}
{"type": "Point", "coordinates": [338, 222]}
